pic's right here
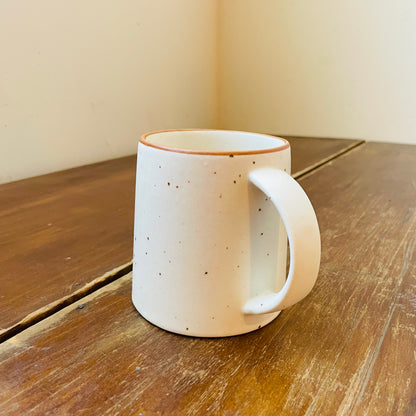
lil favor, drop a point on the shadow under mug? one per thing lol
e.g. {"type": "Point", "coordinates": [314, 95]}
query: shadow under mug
{"type": "Point", "coordinates": [213, 212]}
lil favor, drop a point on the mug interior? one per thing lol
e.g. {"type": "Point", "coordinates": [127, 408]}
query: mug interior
{"type": "Point", "coordinates": [214, 142]}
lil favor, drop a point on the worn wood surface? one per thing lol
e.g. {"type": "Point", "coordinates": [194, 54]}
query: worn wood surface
{"type": "Point", "coordinates": [310, 152]}
{"type": "Point", "coordinates": [347, 349]}
{"type": "Point", "coordinates": [59, 233]}
{"type": "Point", "coordinates": [65, 234]}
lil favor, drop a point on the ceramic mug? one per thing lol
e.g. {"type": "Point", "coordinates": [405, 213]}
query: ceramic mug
{"type": "Point", "coordinates": [213, 212]}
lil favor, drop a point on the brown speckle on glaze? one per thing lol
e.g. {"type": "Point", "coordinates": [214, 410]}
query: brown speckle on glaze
{"type": "Point", "coordinates": [180, 242]}
{"type": "Point", "coordinates": [220, 196]}
{"type": "Point", "coordinates": [168, 183]}
{"type": "Point", "coordinates": [146, 253]}
{"type": "Point", "coordinates": [160, 274]}
{"type": "Point", "coordinates": [239, 175]}
{"type": "Point", "coordinates": [187, 329]}
{"type": "Point", "coordinates": [231, 155]}
{"type": "Point", "coordinates": [160, 167]}
{"type": "Point", "coordinates": [235, 181]}
{"type": "Point", "coordinates": [261, 233]}
{"type": "Point", "coordinates": [254, 162]}
{"type": "Point", "coordinates": [259, 209]}
{"type": "Point", "coordinates": [147, 238]}
{"type": "Point", "coordinates": [177, 186]}
{"type": "Point", "coordinates": [268, 254]}
{"type": "Point", "coordinates": [226, 248]}
{"type": "Point", "coordinates": [259, 327]}
{"type": "Point", "coordinates": [206, 273]}
{"type": "Point", "coordinates": [215, 173]}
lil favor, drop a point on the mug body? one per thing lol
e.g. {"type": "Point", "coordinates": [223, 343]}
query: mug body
{"type": "Point", "coordinates": [205, 239]}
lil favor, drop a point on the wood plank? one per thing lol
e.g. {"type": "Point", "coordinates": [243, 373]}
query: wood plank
{"type": "Point", "coordinates": [347, 349]}
{"type": "Point", "coordinates": [65, 234]}
{"type": "Point", "coordinates": [61, 235]}
{"type": "Point", "coordinates": [310, 152]}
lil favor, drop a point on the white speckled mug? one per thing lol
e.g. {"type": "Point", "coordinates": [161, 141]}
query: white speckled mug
{"type": "Point", "coordinates": [213, 213]}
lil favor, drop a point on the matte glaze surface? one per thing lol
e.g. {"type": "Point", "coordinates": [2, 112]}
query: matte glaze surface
{"type": "Point", "coordinates": [207, 240]}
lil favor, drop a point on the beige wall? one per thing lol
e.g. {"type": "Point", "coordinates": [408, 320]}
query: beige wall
{"type": "Point", "coordinates": [81, 80]}
{"type": "Point", "coordinates": [319, 68]}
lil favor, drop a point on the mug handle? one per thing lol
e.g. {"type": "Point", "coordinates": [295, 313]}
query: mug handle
{"type": "Point", "coordinates": [302, 229]}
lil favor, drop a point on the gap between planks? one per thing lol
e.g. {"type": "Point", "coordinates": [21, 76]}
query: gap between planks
{"type": "Point", "coordinates": [124, 269]}
{"type": "Point", "coordinates": [312, 169]}
{"type": "Point", "coordinates": [53, 307]}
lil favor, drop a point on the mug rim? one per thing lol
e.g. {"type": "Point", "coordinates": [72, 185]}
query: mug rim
{"type": "Point", "coordinates": [143, 140]}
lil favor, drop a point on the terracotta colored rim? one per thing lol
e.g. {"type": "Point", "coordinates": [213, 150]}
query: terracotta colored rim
{"type": "Point", "coordinates": [285, 146]}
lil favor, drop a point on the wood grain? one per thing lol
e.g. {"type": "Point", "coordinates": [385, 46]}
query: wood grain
{"type": "Point", "coordinates": [347, 349]}
{"type": "Point", "coordinates": [308, 153]}
{"type": "Point", "coordinates": [59, 233]}
{"type": "Point", "coordinates": [65, 234]}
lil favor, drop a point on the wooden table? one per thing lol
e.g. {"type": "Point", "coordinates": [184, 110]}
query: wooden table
{"type": "Point", "coordinates": [73, 344]}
